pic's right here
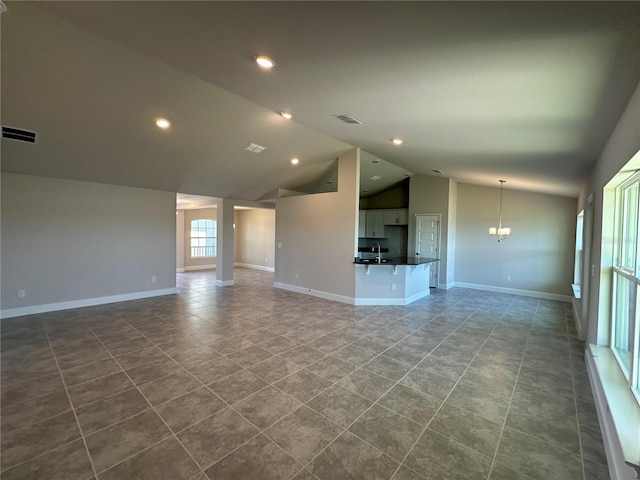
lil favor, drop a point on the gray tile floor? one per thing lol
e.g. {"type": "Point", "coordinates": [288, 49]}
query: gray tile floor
{"type": "Point", "coordinates": [249, 382]}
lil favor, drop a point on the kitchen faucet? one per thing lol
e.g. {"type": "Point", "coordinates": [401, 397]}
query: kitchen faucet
{"type": "Point", "coordinates": [373, 249]}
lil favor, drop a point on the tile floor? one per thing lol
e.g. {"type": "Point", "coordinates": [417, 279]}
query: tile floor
{"type": "Point", "coordinates": [249, 382]}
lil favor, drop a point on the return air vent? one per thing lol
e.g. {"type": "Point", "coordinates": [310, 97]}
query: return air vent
{"type": "Point", "coordinates": [346, 118]}
{"type": "Point", "coordinates": [18, 134]}
{"type": "Point", "coordinates": [255, 148]}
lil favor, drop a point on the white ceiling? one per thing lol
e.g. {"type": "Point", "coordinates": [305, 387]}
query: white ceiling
{"type": "Point", "coordinates": [526, 91]}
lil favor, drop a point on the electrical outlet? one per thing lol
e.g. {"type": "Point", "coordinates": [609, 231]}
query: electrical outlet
{"type": "Point", "coordinates": [266, 260]}
{"type": "Point", "coordinates": [508, 278]}
{"type": "Point", "coordinates": [279, 244]}
{"type": "Point", "coordinates": [153, 279]}
{"type": "Point", "coordinates": [393, 286]}
{"type": "Point", "coordinates": [22, 293]}
{"type": "Point", "coordinates": [297, 276]}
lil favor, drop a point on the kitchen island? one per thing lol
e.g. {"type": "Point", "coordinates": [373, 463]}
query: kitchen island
{"type": "Point", "coordinates": [392, 281]}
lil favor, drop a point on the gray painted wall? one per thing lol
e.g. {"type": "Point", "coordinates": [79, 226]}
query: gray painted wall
{"type": "Point", "coordinates": [623, 144]}
{"type": "Point", "coordinates": [316, 235]}
{"type": "Point", "coordinates": [255, 237]}
{"type": "Point", "coordinates": [429, 194]}
{"type": "Point", "coordinates": [539, 253]}
{"type": "Point", "coordinates": [65, 240]}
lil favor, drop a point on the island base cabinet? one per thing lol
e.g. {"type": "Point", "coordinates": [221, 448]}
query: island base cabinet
{"type": "Point", "coordinates": [391, 284]}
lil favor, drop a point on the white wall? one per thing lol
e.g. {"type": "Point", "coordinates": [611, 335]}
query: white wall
{"type": "Point", "coordinates": [66, 241]}
{"type": "Point", "coordinates": [316, 236]}
{"type": "Point", "coordinates": [539, 253]}
{"type": "Point", "coordinates": [255, 237]}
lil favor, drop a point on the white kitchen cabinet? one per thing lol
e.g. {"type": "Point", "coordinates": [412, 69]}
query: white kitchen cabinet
{"type": "Point", "coordinates": [375, 224]}
{"type": "Point", "coordinates": [362, 222]}
{"type": "Point", "coordinates": [396, 217]}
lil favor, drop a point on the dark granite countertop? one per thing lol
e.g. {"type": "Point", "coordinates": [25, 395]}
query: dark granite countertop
{"type": "Point", "coordinates": [396, 261]}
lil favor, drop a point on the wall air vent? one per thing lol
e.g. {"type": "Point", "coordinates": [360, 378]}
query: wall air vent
{"type": "Point", "coordinates": [18, 134]}
{"type": "Point", "coordinates": [346, 118]}
{"type": "Point", "coordinates": [255, 148]}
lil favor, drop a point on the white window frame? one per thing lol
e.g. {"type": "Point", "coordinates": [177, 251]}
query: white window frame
{"type": "Point", "coordinates": [203, 248]}
{"type": "Point", "coordinates": [629, 273]}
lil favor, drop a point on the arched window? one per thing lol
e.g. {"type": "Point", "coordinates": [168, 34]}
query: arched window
{"type": "Point", "coordinates": [203, 238]}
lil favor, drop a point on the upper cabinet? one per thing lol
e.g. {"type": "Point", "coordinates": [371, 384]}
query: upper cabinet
{"type": "Point", "coordinates": [396, 217]}
{"type": "Point", "coordinates": [374, 224]}
{"type": "Point", "coordinates": [371, 223]}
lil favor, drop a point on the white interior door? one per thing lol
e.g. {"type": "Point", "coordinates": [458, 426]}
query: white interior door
{"type": "Point", "coordinates": [428, 242]}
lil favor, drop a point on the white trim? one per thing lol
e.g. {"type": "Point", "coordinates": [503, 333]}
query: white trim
{"type": "Point", "coordinates": [391, 301]}
{"type": "Point", "coordinates": [351, 300]}
{"type": "Point", "coordinates": [576, 306]}
{"type": "Point", "coordinates": [180, 270]}
{"type": "Point", "coordinates": [87, 302]}
{"type": "Point", "coordinates": [618, 413]}
{"type": "Point", "coordinates": [255, 267]}
{"type": "Point", "coordinates": [224, 283]}
{"type": "Point", "coordinates": [446, 286]}
{"type": "Point", "coordinates": [199, 267]}
{"type": "Point", "coordinates": [315, 293]}
{"type": "Point", "coordinates": [515, 291]}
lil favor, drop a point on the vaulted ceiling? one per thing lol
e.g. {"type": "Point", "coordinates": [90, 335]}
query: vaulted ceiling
{"type": "Point", "coordinates": [523, 91]}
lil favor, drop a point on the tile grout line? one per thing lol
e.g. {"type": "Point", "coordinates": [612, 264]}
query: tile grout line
{"type": "Point", "coordinates": [513, 391]}
{"type": "Point", "coordinates": [386, 392]}
{"type": "Point", "coordinates": [228, 405]}
{"type": "Point", "coordinates": [575, 400]}
{"type": "Point", "coordinates": [155, 411]}
{"type": "Point", "coordinates": [452, 389]}
{"type": "Point", "coordinates": [73, 409]}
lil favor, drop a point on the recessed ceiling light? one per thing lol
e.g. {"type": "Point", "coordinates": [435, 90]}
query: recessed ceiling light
{"type": "Point", "coordinates": [397, 141]}
{"type": "Point", "coordinates": [329, 182]}
{"type": "Point", "coordinates": [286, 115]}
{"type": "Point", "coordinates": [264, 61]}
{"type": "Point", "coordinates": [440, 172]}
{"type": "Point", "coordinates": [295, 161]}
{"type": "Point", "coordinates": [163, 123]}
{"type": "Point", "coordinates": [375, 177]}
{"type": "Point", "coordinates": [377, 160]}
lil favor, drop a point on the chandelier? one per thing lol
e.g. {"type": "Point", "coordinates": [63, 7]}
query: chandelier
{"type": "Point", "coordinates": [501, 232]}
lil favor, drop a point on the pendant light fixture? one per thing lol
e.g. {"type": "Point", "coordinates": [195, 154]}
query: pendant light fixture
{"type": "Point", "coordinates": [501, 232]}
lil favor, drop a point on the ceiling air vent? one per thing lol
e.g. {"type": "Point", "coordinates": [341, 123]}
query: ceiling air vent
{"type": "Point", "coordinates": [18, 134]}
{"type": "Point", "coordinates": [255, 148]}
{"type": "Point", "coordinates": [346, 118]}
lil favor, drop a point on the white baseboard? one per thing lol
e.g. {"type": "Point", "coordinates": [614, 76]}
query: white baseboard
{"type": "Point", "coordinates": [351, 300]}
{"type": "Point", "coordinates": [255, 267]}
{"type": "Point", "coordinates": [515, 291]}
{"type": "Point", "coordinates": [180, 270]}
{"type": "Point", "coordinates": [391, 301]}
{"type": "Point", "coordinates": [315, 293]}
{"type": "Point", "coordinates": [224, 283]}
{"type": "Point", "coordinates": [612, 397]}
{"type": "Point", "coordinates": [199, 267]}
{"type": "Point", "coordinates": [86, 302]}
{"type": "Point", "coordinates": [446, 286]}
